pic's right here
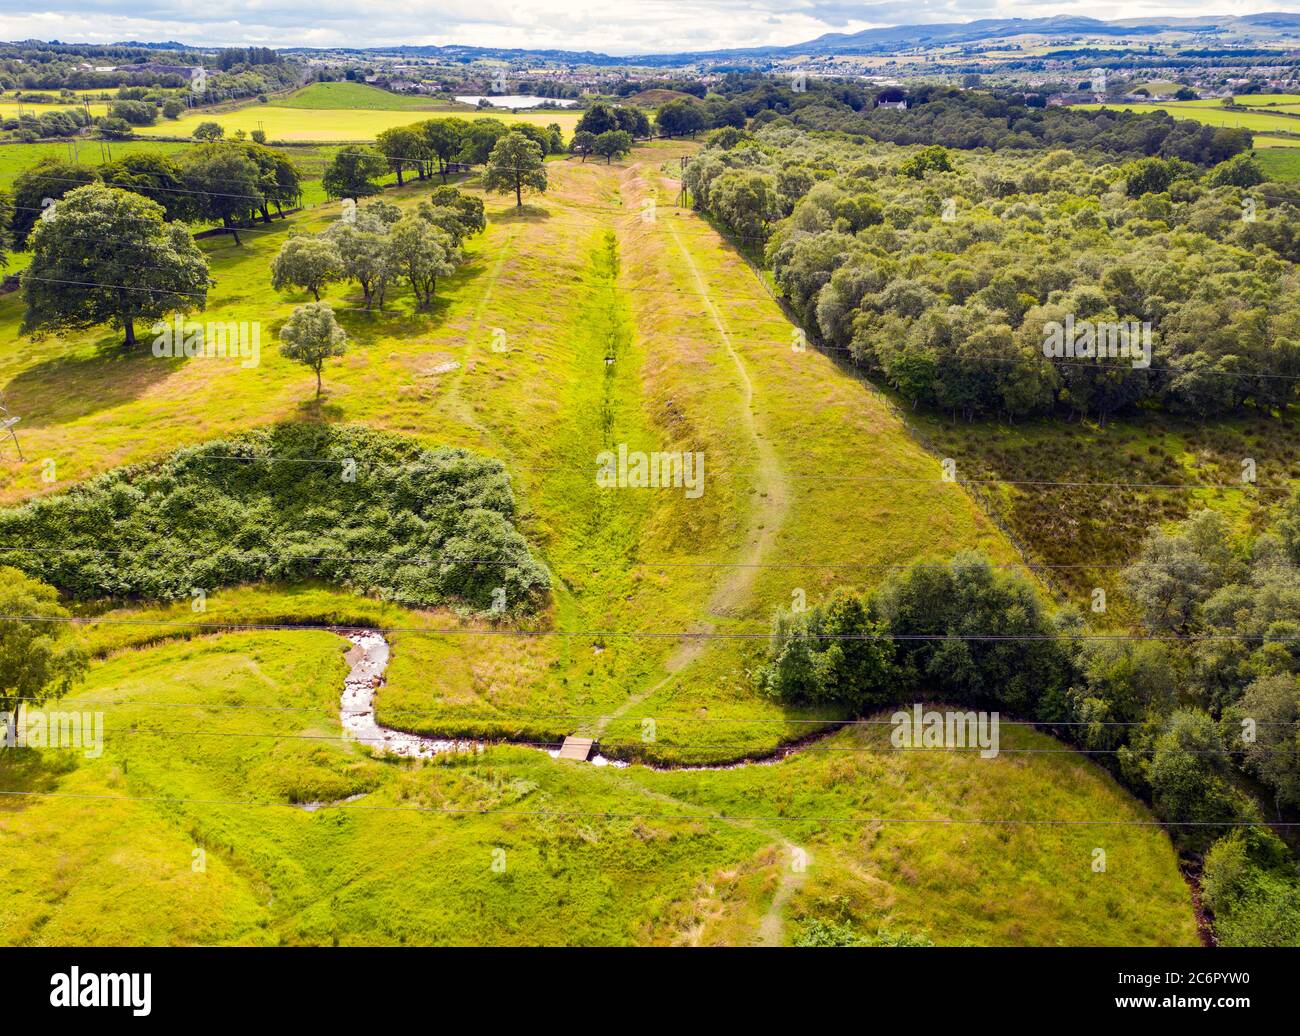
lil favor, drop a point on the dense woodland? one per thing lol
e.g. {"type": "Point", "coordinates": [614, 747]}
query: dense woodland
{"type": "Point", "coordinates": [944, 272]}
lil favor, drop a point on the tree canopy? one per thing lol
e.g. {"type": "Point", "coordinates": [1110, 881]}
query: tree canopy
{"type": "Point", "coordinates": [105, 255]}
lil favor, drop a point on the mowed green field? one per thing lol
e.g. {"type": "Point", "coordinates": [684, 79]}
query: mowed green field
{"type": "Point", "coordinates": [358, 96]}
{"type": "Point", "coordinates": [616, 329]}
{"type": "Point", "coordinates": [1280, 163]}
{"type": "Point", "coordinates": [284, 123]}
{"type": "Point", "coordinates": [1257, 121]}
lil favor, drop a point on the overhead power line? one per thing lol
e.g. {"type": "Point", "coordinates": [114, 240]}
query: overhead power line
{"type": "Point", "coordinates": [688, 817]}
{"type": "Point", "coordinates": [705, 635]}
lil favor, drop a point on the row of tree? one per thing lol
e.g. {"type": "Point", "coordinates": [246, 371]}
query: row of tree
{"type": "Point", "coordinates": [229, 183]}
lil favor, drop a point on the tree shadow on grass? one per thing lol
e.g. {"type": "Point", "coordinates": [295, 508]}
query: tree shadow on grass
{"type": "Point", "coordinates": [320, 411]}
{"type": "Point", "coordinates": [66, 388]}
{"type": "Point", "coordinates": [399, 318]}
{"type": "Point", "coordinates": [530, 213]}
{"type": "Point", "coordinates": [34, 770]}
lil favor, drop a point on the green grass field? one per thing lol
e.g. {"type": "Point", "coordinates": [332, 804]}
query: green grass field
{"type": "Point", "coordinates": [616, 329]}
{"type": "Point", "coordinates": [14, 158]}
{"type": "Point", "coordinates": [291, 123]}
{"type": "Point", "coordinates": [1266, 100]}
{"type": "Point", "coordinates": [191, 829]}
{"type": "Point", "coordinates": [11, 109]}
{"type": "Point", "coordinates": [1281, 162]}
{"type": "Point", "coordinates": [1257, 121]}
{"type": "Point", "coordinates": [358, 97]}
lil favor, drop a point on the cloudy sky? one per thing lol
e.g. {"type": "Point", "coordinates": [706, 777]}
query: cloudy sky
{"type": "Point", "coordinates": [627, 27]}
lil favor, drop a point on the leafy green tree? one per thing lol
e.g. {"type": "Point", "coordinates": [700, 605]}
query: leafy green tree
{"type": "Point", "coordinates": [599, 118]}
{"type": "Point", "coordinates": [837, 653]}
{"type": "Point", "coordinates": [362, 246]}
{"type": "Point", "coordinates": [1148, 176]}
{"type": "Point", "coordinates": [1188, 777]}
{"type": "Point", "coordinates": [748, 201]}
{"type": "Point", "coordinates": [633, 121]}
{"type": "Point", "coordinates": [40, 657]}
{"type": "Point", "coordinates": [933, 159]}
{"type": "Point", "coordinates": [479, 138]}
{"type": "Point", "coordinates": [311, 336]}
{"type": "Point", "coordinates": [583, 143]}
{"type": "Point", "coordinates": [729, 115]}
{"type": "Point", "coordinates": [960, 605]}
{"type": "Point", "coordinates": [1176, 571]}
{"type": "Point", "coordinates": [152, 175]}
{"type": "Point", "coordinates": [444, 138]}
{"type": "Point", "coordinates": [681, 118]}
{"type": "Point", "coordinates": [352, 172]}
{"type": "Point", "coordinates": [209, 131]}
{"type": "Point", "coordinates": [137, 113]}
{"type": "Point", "coordinates": [1273, 704]}
{"type": "Point", "coordinates": [1241, 170]}
{"type": "Point", "coordinates": [115, 129]}
{"type": "Point", "coordinates": [278, 180]}
{"type": "Point", "coordinates": [468, 207]}
{"type": "Point", "coordinates": [224, 184]}
{"type": "Point", "coordinates": [306, 262]}
{"type": "Point", "coordinates": [107, 255]}
{"type": "Point", "coordinates": [555, 145]}
{"type": "Point", "coordinates": [406, 149]}
{"type": "Point", "coordinates": [515, 165]}
{"type": "Point", "coordinates": [34, 188]}
{"type": "Point", "coordinates": [420, 252]}
{"type": "Point", "coordinates": [1250, 881]}
{"type": "Point", "coordinates": [613, 144]}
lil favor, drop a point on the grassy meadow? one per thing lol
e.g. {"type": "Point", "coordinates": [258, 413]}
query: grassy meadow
{"type": "Point", "coordinates": [598, 315]}
{"type": "Point", "coordinates": [358, 97]}
{"type": "Point", "coordinates": [225, 746]}
{"type": "Point", "coordinates": [12, 109]}
{"type": "Point", "coordinates": [287, 122]}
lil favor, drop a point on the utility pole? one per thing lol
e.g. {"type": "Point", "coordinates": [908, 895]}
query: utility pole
{"type": "Point", "coordinates": [7, 422]}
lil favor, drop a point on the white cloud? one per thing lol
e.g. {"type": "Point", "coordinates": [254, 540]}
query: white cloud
{"type": "Point", "coordinates": [645, 26]}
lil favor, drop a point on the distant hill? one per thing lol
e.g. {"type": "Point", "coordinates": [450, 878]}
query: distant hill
{"type": "Point", "coordinates": [1236, 28]}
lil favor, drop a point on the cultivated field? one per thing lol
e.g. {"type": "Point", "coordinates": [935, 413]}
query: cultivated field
{"type": "Point", "coordinates": [291, 123]}
{"type": "Point", "coordinates": [1258, 121]}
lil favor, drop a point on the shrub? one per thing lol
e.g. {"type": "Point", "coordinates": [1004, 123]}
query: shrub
{"type": "Point", "coordinates": [418, 526]}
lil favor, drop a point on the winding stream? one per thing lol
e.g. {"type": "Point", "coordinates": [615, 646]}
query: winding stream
{"type": "Point", "coordinates": [368, 661]}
